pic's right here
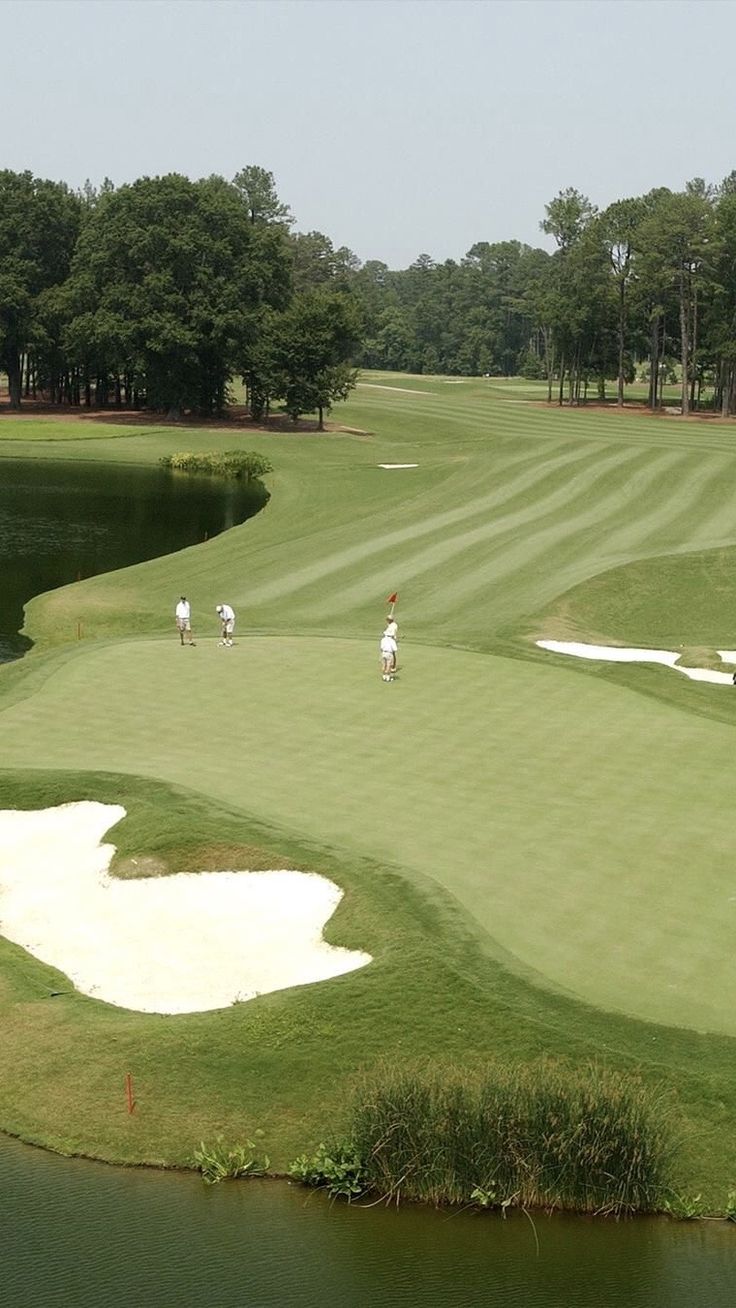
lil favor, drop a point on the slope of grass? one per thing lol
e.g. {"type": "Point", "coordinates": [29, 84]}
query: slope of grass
{"type": "Point", "coordinates": [516, 835]}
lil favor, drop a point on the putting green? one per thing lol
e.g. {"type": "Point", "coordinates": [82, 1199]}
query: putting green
{"type": "Point", "coordinates": [587, 832]}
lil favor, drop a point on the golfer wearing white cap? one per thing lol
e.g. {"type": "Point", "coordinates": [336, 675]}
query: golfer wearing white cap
{"type": "Point", "coordinates": [227, 619]}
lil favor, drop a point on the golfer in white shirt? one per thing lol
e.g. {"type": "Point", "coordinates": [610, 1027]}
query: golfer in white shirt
{"type": "Point", "coordinates": [183, 614]}
{"type": "Point", "coordinates": [227, 618]}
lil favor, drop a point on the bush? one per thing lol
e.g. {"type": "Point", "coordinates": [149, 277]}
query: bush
{"type": "Point", "coordinates": [245, 464]}
{"type": "Point", "coordinates": [219, 1161]}
{"type": "Point", "coordinates": [533, 1137]}
{"type": "Point", "coordinates": [339, 1170]}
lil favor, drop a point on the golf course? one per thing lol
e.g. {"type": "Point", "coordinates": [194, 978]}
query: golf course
{"type": "Point", "coordinates": [536, 852]}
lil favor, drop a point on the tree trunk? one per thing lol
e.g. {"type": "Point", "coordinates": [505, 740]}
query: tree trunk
{"type": "Point", "coordinates": [684, 346]}
{"type": "Point", "coordinates": [694, 348]}
{"type": "Point", "coordinates": [320, 424]}
{"type": "Point", "coordinates": [729, 383]}
{"type": "Point", "coordinates": [621, 311]}
{"type": "Point", "coordinates": [14, 380]}
{"type": "Point", "coordinates": [562, 380]}
{"type": "Point", "coordinates": [654, 364]}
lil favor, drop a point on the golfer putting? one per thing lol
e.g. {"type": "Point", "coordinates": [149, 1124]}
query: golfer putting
{"type": "Point", "coordinates": [226, 614]}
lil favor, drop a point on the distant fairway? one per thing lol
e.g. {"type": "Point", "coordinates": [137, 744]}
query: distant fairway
{"type": "Point", "coordinates": [570, 823]}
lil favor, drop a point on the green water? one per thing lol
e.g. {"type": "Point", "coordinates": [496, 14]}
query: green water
{"type": "Point", "coordinates": [81, 1235]}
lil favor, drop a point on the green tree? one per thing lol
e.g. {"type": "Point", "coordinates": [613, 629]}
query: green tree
{"type": "Point", "coordinates": [257, 189]}
{"type": "Point", "coordinates": [316, 339]}
{"type": "Point", "coordinates": [619, 226]}
{"type": "Point", "coordinates": [39, 222]}
{"type": "Point", "coordinates": [173, 274]}
{"type": "Point", "coordinates": [675, 237]}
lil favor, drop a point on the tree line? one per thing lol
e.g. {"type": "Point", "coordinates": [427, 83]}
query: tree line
{"type": "Point", "coordinates": [646, 288]}
{"type": "Point", "coordinates": [162, 292]}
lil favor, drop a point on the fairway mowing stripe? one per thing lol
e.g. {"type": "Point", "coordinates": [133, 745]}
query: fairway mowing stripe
{"type": "Point", "coordinates": [683, 505]}
{"type": "Point", "coordinates": [332, 563]}
{"type": "Point", "coordinates": [526, 552]}
{"type": "Point", "coordinates": [695, 527]}
{"type": "Point", "coordinates": [430, 559]}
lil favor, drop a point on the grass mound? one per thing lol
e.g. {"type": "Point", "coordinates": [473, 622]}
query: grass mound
{"type": "Point", "coordinates": [664, 602]}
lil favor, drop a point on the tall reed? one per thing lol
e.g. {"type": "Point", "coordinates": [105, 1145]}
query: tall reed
{"type": "Point", "coordinates": [538, 1136]}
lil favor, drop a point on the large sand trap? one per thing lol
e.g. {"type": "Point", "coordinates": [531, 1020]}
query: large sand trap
{"type": "Point", "coordinates": [398, 465]}
{"type": "Point", "coordinates": [175, 944]}
{"type": "Point", "coordinates": [620, 654]}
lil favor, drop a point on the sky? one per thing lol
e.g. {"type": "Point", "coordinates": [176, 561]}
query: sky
{"type": "Point", "coordinates": [395, 127]}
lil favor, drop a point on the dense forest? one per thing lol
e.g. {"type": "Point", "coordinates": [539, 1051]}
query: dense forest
{"type": "Point", "coordinates": [163, 292]}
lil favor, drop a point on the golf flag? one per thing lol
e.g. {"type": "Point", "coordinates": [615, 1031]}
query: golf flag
{"type": "Point", "coordinates": [392, 598]}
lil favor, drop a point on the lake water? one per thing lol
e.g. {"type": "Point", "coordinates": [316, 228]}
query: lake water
{"type": "Point", "coordinates": [62, 521]}
{"type": "Point", "coordinates": [82, 1235]}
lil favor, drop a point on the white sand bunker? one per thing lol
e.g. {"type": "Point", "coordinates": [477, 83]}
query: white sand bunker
{"type": "Point", "coordinates": [620, 654]}
{"type": "Point", "coordinates": [405, 390]}
{"type": "Point", "coordinates": [398, 465]}
{"type": "Point", "coordinates": [175, 944]}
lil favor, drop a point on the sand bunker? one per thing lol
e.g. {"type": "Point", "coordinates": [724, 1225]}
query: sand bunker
{"type": "Point", "coordinates": [619, 654]}
{"type": "Point", "coordinates": [176, 944]}
{"type": "Point", "coordinates": [398, 465]}
{"type": "Point", "coordinates": [405, 390]}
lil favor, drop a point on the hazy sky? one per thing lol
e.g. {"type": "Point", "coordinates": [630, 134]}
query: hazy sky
{"type": "Point", "coordinates": [394, 126]}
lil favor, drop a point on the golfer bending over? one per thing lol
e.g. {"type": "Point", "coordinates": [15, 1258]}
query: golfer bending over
{"type": "Point", "coordinates": [227, 620]}
{"type": "Point", "coordinates": [183, 613]}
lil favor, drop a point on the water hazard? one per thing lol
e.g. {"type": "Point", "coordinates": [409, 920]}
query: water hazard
{"type": "Point", "coordinates": [81, 1235]}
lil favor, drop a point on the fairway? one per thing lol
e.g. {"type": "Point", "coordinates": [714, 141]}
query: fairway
{"type": "Point", "coordinates": [539, 847]}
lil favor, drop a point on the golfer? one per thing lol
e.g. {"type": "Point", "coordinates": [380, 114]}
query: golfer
{"type": "Point", "coordinates": [227, 619]}
{"type": "Point", "coordinates": [183, 614]}
{"type": "Point", "coordinates": [388, 656]}
{"type": "Point", "coordinates": [392, 630]}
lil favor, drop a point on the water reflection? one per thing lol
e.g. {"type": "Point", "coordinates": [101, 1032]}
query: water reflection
{"type": "Point", "coordinates": [60, 522]}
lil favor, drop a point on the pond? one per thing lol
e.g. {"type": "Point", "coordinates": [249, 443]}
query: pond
{"type": "Point", "coordinates": [60, 522]}
{"type": "Point", "coordinates": [80, 1235]}
{"type": "Point", "coordinates": [76, 1233]}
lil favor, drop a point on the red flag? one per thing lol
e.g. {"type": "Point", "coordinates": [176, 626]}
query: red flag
{"type": "Point", "coordinates": [392, 598]}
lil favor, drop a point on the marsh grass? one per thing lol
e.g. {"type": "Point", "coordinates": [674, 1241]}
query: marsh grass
{"type": "Point", "coordinates": [245, 464]}
{"type": "Point", "coordinates": [536, 1136]}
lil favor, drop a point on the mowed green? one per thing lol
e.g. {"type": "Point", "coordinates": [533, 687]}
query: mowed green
{"type": "Point", "coordinates": [575, 829]}
{"type": "Point", "coordinates": [562, 816]}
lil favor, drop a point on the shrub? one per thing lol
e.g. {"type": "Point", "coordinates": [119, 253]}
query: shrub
{"type": "Point", "coordinates": [245, 464]}
{"type": "Point", "coordinates": [219, 1161]}
{"type": "Point", "coordinates": [338, 1169]}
